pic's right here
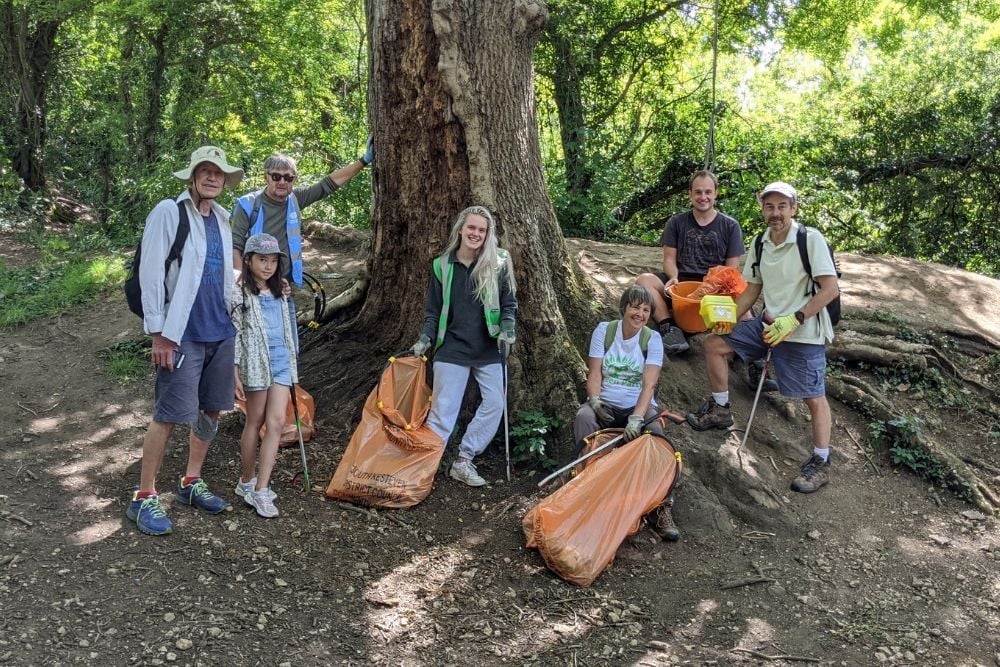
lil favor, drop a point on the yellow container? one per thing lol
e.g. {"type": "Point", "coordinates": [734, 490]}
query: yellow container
{"type": "Point", "coordinates": [715, 309]}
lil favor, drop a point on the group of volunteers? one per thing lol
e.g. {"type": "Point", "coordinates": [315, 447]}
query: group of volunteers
{"type": "Point", "coordinates": [223, 323]}
{"type": "Point", "coordinates": [221, 327]}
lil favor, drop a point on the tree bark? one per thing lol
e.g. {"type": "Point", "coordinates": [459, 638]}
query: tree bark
{"type": "Point", "coordinates": [27, 52]}
{"type": "Point", "coordinates": [451, 104]}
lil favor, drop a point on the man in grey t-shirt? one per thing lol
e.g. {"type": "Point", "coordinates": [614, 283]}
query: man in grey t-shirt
{"type": "Point", "coordinates": [693, 242]}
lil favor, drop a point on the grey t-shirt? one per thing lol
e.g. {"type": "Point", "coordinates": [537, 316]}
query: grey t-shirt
{"type": "Point", "coordinates": [275, 213]}
{"type": "Point", "coordinates": [700, 248]}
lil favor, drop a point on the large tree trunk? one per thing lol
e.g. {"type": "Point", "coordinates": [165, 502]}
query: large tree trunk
{"type": "Point", "coordinates": [26, 54]}
{"type": "Point", "coordinates": [452, 107]}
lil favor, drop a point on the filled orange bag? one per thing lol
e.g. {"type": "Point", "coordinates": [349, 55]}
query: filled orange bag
{"type": "Point", "coordinates": [307, 413]}
{"type": "Point", "coordinates": [724, 280]}
{"type": "Point", "coordinates": [393, 456]}
{"type": "Point", "coordinates": [578, 529]}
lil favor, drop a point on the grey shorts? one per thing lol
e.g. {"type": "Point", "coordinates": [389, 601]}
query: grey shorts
{"type": "Point", "coordinates": [203, 382]}
{"type": "Point", "coordinates": [799, 368]}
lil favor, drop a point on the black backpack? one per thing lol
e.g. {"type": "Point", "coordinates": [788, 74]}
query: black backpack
{"type": "Point", "coordinates": [832, 308]}
{"type": "Point", "coordinates": [133, 290]}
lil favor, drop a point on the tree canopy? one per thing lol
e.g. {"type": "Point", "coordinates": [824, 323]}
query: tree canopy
{"type": "Point", "coordinates": [884, 114]}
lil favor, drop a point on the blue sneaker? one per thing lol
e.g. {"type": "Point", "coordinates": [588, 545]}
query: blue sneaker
{"type": "Point", "coordinates": [198, 494]}
{"type": "Point", "coordinates": [149, 515]}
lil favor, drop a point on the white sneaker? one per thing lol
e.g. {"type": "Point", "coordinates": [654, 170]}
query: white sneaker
{"type": "Point", "coordinates": [261, 501]}
{"type": "Point", "coordinates": [466, 473]}
{"type": "Point", "coordinates": [244, 489]}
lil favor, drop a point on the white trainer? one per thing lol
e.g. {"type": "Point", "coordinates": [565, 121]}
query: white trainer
{"type": "Point", "coordinates": [261, 501]}
{"type": "Point", "coordinates": [244, 489]}
{"type": "Point", "coordinates": [466, 473]}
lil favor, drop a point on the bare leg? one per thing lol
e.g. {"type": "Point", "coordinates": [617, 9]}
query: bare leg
{"type": "Point", "coordinates": [154, 443]}
{"type": "Point", "coordinates": [256, 404]}
{"type": "Point", "coordinates": [198, 450]}
{"type": "Point", "coordinates": [655, 288]}
{"type": "Point", "coordinates": [277, 402]}
{"type": "Point", "coordinates": [822, 421]}
{"type": "Point", "coordinates": [717, 353]}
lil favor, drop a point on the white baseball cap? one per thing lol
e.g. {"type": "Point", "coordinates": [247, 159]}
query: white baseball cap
{"type": "Point", "coordinates": [781, 188]}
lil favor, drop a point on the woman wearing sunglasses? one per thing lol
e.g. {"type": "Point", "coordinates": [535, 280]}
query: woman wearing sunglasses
{"type": "Point", "coordinates": [276, 210]}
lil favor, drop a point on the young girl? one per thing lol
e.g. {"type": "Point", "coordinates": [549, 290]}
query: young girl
{"type": "Point", "coordinates": [470, 312]}
{"type": "Point", "coordinates": [265, 366]}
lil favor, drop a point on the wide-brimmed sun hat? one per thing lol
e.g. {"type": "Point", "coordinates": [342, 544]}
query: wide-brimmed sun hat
{"type": "Point", "coordinates": [216, 156]}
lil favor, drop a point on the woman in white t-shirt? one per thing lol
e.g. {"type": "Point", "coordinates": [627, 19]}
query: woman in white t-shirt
{"type": "Point", "coordinates": [623, 369]}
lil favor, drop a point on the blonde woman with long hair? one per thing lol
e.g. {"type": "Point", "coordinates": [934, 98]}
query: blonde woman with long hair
{"type": "Point", "coordinates": [469, 318]}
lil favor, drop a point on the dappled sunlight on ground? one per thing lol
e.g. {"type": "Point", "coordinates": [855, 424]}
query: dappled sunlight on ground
{"type": "Point", "coordinates": [95, 532]}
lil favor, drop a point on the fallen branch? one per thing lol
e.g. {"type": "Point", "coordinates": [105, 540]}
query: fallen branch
{"type": "Point", "coordinates": [25, 407]}
{"type": "Point", "coordinates": [747, 582]}
{"type": "Point", "coordinates": [764, 656]}
{"type": "Point", "coordinates": [863, 451]}
{"type": "Point", "coordinates": [10, 516]}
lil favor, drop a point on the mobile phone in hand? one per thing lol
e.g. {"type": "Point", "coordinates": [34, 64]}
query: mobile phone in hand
{"type": "Point", "coordinates": [178, 359]}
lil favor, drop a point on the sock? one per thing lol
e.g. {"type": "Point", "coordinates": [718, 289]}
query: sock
{"type": "Point", "coordinates": [721, 397]}
{"type": "Point", "coordinates": [188, 481]}
{"type": "Point", "coordinates": [139, 495]}
{"type": "Point", "coordinates": [822, 453]}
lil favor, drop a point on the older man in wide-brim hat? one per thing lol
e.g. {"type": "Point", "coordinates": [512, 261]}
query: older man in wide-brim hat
{"type": "Point", "coordinates": [186, 303]}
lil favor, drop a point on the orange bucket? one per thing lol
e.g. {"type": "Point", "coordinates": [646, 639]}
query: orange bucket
{"type": "Point", "coordinates": [687, 311]}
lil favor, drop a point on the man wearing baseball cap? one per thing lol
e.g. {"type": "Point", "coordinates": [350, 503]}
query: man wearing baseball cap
{"type": "Point", "coordinates": [186, 310]}
{"type": "Point", "coordinates": [795, 328]}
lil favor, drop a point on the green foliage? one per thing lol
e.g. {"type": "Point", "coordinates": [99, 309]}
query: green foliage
{"type": "Point", "coordinates": [127, 361]}
{"type": "Point", "coordinates": [55, 284]}
{"type": "Point", "coordinates": [901, 438]}
{"type": "Point", "coordinates": [529, 437]}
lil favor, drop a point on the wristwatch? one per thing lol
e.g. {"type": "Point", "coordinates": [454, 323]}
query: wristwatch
{"type": "Point", "coordinates": [800, 316]}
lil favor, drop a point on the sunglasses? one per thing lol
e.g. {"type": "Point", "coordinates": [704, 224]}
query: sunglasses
{"type": "Point", "coordinates": [288, 178]}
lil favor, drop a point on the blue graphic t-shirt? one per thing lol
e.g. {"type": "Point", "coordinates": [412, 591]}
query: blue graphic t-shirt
{"type": "Point", "coordinates": [209, 320]}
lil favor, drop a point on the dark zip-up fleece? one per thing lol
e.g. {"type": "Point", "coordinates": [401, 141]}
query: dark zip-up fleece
{"type": "Point", "coordinates": [467, 341]}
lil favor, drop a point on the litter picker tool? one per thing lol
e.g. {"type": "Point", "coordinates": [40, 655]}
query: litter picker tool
{"type": "Point", "coordinates": [504, 353]}
{"type": "Point", "coordinates": [302, 445]}
{"type": "Point", "coordinates": [760, 385]}
{"type": "Point", "coordinates": [614, 442]}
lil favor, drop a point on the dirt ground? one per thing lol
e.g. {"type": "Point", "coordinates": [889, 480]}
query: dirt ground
{"type": "Point", "coordinates": [877, 568]}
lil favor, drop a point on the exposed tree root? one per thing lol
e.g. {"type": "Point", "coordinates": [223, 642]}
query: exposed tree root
{"type": "Point", "coordinates": [875, 344]}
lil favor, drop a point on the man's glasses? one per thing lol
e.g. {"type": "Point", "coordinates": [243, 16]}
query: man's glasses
{"type": "Point", "coordinates": [288, 178]}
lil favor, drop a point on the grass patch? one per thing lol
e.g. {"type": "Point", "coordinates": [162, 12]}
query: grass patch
{"type": "Point", "coordinates": [127, 361]}
{"type": "Point", "coordinates": [54, 286]}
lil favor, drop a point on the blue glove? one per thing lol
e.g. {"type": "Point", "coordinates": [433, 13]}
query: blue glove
{"type": "Point", "coordinates": [369, 155]}
{"type": "Point", "coordinates": [633, 428]}
{"type": "Point", "coordinates": [421, 346]}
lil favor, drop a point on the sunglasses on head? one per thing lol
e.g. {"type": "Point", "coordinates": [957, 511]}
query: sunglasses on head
{"type": "Point", "coordinates": [288, 178]}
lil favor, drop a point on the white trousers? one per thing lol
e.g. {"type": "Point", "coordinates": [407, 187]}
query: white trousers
{"type": "Point", "coordinates": [449, 389]}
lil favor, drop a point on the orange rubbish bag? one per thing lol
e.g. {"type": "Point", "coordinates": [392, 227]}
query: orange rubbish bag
{"type": "Point", "coordinates": [393, 456]}
{"type": "Point", "coordinates": [307, 413]}
{"type": "Point", "coordinates": [724, 280]}
{"type": "Point", "coordinates": [578, 529]}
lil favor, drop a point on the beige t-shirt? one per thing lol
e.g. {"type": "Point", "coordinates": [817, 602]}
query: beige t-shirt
{"type": "Point", "coordinates": [786, 285]}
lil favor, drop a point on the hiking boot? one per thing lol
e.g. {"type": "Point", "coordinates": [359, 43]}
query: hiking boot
{"type": "Point", "coordinates": [262, 502]}
{"type": "Point", "coordinates": [149, 515]}
{"type": "Point", "coordinates": [466, 473]}
{"type": "Point", "coordinates": [754, 369]}
{"type": "Point", "coordinates": [663, 524]}
{"type": "Point", "coordinates": [815, 474]}
{"type": "Point", "coordinates": [244, 489]}
{"type": "Point", "coordinates": [710, 415]}
{"type": "Point", "coordinates": [674, 341]}
{"type": "Point", "coordinates": [198, 494]}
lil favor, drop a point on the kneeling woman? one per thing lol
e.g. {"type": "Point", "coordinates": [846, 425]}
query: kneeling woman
{"type": "Point", "coordinates": [470, 314]}
{"type": "Point", "coordinates": [623, 370]}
